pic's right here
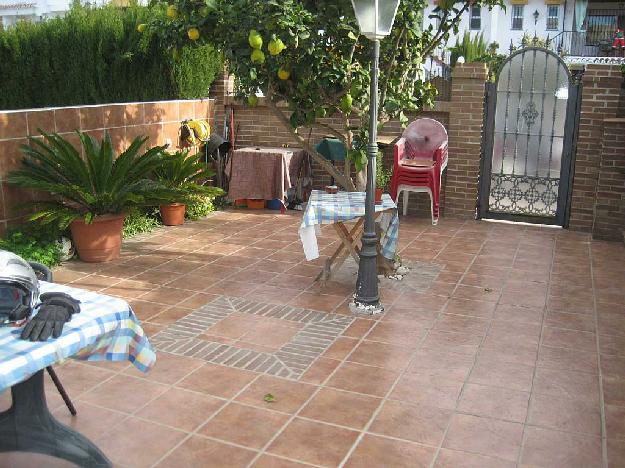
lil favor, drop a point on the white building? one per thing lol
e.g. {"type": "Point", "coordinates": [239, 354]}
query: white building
{"type": "Point", "coordinates": [12, 11]}
{"type": "Point", "coordinates": [579, 27]}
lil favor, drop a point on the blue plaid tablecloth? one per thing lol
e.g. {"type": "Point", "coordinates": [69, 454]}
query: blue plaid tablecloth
{"type": "Point", "coordinates": [105, 329]}
{"type": "Point", "coordinates": [325, 208]}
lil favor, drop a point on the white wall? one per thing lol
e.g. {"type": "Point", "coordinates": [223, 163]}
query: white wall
{"type": "Point", "coordinates": [497, 23]}
{"type": "Point", "coordinates": [12, 11]}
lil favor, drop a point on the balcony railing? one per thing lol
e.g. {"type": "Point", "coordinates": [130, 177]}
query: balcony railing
{"type": "Point", "coordinates": [585, 44]}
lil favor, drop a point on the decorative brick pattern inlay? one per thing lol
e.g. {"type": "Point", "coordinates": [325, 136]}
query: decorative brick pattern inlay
{"type": "Point", "coordinates": [290, 361]}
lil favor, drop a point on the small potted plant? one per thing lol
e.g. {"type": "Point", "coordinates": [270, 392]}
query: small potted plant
{"type": "Point", "coordinates": [186, 175]}
{"type": "Point", "coordinates": [382, 178]}
{"type": "Point", "coordinates": [90, 193]}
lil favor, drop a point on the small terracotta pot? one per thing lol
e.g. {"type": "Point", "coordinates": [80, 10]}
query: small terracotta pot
{"type": "Point", "coordinates": [378, 196]}
{"type": "Point", "coordinates": [99, 241]}
{"type": "Point", "coordinates": [173, 215]}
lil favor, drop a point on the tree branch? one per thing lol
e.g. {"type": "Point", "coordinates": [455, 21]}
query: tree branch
{"type": "Point", "coordinates": [345, 182]}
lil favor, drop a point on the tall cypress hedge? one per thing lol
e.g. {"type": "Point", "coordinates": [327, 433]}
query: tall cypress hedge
{"type": "Point", "coordinates": [97, 56]}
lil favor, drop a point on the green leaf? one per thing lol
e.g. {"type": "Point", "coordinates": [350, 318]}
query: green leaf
{"type": "Point", "coordinates": [352, 36]}
{"type": "Point", "coordinates": [269, 398]}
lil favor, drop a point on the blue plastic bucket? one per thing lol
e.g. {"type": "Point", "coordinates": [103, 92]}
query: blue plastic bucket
{"type": "Point", "coordinates": [274, 204]}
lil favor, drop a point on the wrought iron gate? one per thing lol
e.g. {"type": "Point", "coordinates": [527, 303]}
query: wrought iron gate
{"type": "Point", "coordinates": [528, 140]}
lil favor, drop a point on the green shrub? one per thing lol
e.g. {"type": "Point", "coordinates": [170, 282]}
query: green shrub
{"type": "Point", "coordinates": [33, 245]}
{"type": "Point", "coordinates": [471, 48]}
{"type": "Point", "coordinates": [95, 56]}
{"type": "Point", "coordinates": [201, 207]}
{"type": "Point", "coordinates": [140, 222]}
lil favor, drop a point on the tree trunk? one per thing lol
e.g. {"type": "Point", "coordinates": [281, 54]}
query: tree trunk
{"type": "Point", "coordinates": [341, 179]}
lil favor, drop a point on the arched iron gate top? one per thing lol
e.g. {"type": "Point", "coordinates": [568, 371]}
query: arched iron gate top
{"type": "Point", "coordinates": [523, 51]}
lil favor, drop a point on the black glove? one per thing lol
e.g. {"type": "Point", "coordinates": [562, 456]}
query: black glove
{"type": "Point", "coordinates": [55, 310]}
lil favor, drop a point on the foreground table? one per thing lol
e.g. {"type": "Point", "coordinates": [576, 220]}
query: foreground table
{"type": "Point", "coordinates": [263, 173]}
{"type": "Point", "coordinates": [105, 329]}
{"type": "Point", "coordinates": [336, 209]}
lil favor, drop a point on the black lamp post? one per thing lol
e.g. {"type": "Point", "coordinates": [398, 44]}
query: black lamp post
{"type": "Point", "coordinates": [375, 19]}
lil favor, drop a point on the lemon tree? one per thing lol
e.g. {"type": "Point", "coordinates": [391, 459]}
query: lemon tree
{"type": "Point", "coordinates": [310, 55]}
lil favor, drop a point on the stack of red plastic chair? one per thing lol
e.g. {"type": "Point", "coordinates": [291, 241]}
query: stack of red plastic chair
{"type": "Point", "coordinates": [420, 159]}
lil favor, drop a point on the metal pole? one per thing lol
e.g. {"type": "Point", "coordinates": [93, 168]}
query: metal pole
{"type": "Point", "coordinates": [367, 296]}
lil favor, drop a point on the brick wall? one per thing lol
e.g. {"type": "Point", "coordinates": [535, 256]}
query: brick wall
{"type": "Point", "coordinates": [601, 88]}
{"type": "Point", "coordinates": [159, 121]}
{"type": "Point", "coordinates": [609, 219]}
{"type": "Point", "coordinates": [259, 127]}
{"type": "Point", "coordinates": [466, 110]}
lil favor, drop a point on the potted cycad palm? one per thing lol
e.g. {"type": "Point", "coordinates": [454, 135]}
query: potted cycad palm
{"type": "Point", "coordinates": [90, 193]}
{"type": "Point", "coordinates": [185, 174]}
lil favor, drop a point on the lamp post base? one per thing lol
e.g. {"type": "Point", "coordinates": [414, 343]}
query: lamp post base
{"type": "Point", "coordinates": [362, 308]}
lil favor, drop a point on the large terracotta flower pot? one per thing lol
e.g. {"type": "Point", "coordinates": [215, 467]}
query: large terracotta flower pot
{"type": "Point", "coordinates": [173, 215]}
{"type": "Point", "coordinates": [99, 241]}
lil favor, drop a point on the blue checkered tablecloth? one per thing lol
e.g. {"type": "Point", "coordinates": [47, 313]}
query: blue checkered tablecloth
{"type": "Point", "coordinates": [325, 208]}
{"type": "Point", "coordinates": [105, 329]}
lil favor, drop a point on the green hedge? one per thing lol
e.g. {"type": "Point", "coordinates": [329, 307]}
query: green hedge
{"type": "Point", "coordinates": [96, 56]}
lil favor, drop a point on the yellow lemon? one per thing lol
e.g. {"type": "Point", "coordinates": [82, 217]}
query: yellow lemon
{"type": "Point", "coordinates": [194, 34]}
{"type": "Point", "coordinates": [284, 74]}
{"type": "Point", "coordinates": [346, 103]}
{"type": "Point", "coordinates": [255, 39]}
{"type": "Point", "coordinates": [275, 47]}
{"type": "Point", "coordinates": [141, 27]}
{"type": "Point", "coordinates": [257, 56]}
{"type": "Point", "coordinates": [172, 11]}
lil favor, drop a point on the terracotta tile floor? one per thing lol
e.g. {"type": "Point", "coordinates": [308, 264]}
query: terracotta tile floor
{"type": "Point", "coordinates": [505, 347]}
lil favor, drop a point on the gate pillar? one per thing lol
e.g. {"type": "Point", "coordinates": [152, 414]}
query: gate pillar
{"type": "Point", "coordinates": [466, 116]}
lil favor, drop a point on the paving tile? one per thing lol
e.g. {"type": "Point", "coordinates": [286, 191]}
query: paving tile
{"type": "Point", "coordinates": [560, 338]}
{"type": "Point", "coordinates": [484, 436]}
{"type": "Point", "coordinates": [461, 324]}
{"type": "Point", "coordinates": [444, 364]}
{"type": "Point", "coordinates": [313, 442]}
{"type": "Point", "coordinates": [565, 414]}
{"type": "Point", "coordinates": [502, 374]}
{"type": "Point", "coordinates": [27, 460]}
{"type": "Point", "coordinates": [470, 307]}
{"type": "Point", "coordinates": [244, 425]}
{"type": "Point", "coordinates": [567, 359]}
{"type": "Point", "coordinates": [463, 343]}
{"type": "Point", "coordinates": [615, 421]}
{"type": "Point", "coordinates": [289, 396]}
{"type": "Point", "coordinates": [455, 459]}
{"type": "Point", "coordinates": [494, 402]}
{"type": "Point", "coordinates": [138, 443]}
{"type": "Point", "coordinates": [320, 370]}
{"type": "Point", "coordinates": [323, 302]}
{"type": "Point", "coordinates": [198, 452]}
{"type": "Point", "coordinates": [417, 423]}
{"type": "Point", "coordinates": [181, 409]}
{"type": "Point", "coordinates": [359, 328]}
{"type": "Point", "coordinates": [378, 354]}
{"type": "Point", "coordinates": [616, 453]}
{"type": "Point", "coordinates": [379, 451]}
{"type": "Point", "coordinates": [341, 347]}
{"type": "Point", "coordinates": [123, 393]}
{"type": "Point", "coordinates": [270, 461]}
{"type": "Point", "coordinates": [554, 449]}
{"type": "Point", "coordinates": [342, 408]}
{"type": "Point", "coordinates": [219, 381]}
{"type": "Point", "coordinates": [578, 385]}
{"type": "Point", "coordinates": [427, 390]}
{"type": "Point", "coordinates": [614, 391]}
{"type": "Point", "coordinates": [363, 379]}
{"type": "Point", "coordinates": [512, 313]}
{"type": "Point", "coordinates": [91, 421]}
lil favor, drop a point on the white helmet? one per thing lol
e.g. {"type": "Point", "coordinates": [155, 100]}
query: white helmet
{"type": "Point", "coordinates": [19, 288]}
